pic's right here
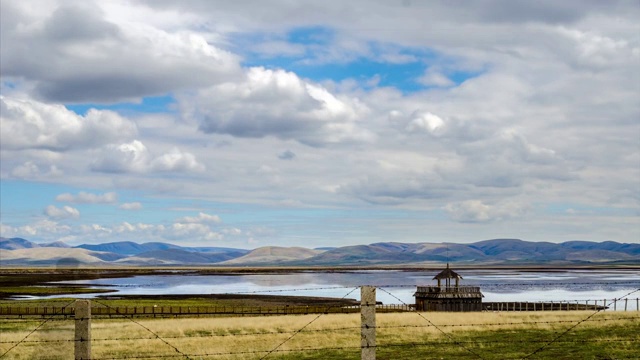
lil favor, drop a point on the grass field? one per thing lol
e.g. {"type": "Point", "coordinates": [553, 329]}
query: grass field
{"type": "Point", "coordinates": [607, 335]}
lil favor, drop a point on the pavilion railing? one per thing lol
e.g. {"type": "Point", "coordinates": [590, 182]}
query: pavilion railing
{"type": "Point", "coordinates": [450, 289]}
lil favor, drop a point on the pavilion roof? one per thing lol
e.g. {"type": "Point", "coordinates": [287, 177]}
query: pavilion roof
{"type": "Point", "coordinates": [447, 274]}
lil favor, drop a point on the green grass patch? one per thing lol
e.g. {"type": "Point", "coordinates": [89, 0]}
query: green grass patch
{"type": "Point", "coordinates": [610, 342]}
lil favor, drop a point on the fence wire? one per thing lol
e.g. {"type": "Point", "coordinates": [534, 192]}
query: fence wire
{"type": "Point", "coordinates": [34, 330]}
{"type": "Point", "coordinates": [466, 345]}
{"type": "Point", "coordinates": [149, 330]}
{"type": "Point", "coordinates": [436, 327]}
{"type": "Point", "coordinates": [574, 326]}
{"type": "Point", "coordinates": [302, 328]}
{"type": "Point", "coordinates": [327, 330]}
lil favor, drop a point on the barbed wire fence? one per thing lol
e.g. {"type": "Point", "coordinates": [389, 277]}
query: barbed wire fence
{"type": "Point", "coordinates": [368, 345]}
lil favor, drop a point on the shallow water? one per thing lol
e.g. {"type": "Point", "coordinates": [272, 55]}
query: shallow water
{"type": "Point", "coordinates": [396, 287]}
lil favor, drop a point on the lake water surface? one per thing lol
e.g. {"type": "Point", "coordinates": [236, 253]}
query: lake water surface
{"type": "Point", "coordinates": [396, 286]}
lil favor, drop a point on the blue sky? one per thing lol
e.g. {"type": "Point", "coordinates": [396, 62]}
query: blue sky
{"type": "Point", "coordinates": [373, 68]}
{"type": "Point", "coordinates": [146, 105]}
{"type": "Point", "coordinates": [242, 125]}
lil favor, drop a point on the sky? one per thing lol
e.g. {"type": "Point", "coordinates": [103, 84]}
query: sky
{"type": "Point", "coordinates": [319, 123]}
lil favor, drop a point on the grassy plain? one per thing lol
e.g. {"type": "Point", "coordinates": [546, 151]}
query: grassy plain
{"type": "Point", "coordinates": [606, 335]}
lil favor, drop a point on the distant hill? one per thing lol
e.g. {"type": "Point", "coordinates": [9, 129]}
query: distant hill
{"type": "Point", "coordinates": [19, 243]}
{"type": "Point", "coordinates": [121, 247]}
{"type": "Point", "coordinates": [131, 248]}
{"type": "Point", "coordinates": [56, 256]}
{"type": "Point", "coordinates": [18, 251]}
{"type": "Point", "coordinates": [274, 254]}
{"type": "Point", "coordinates": [16, 243]}
{"type": "Point", "coordinates": [177, 256]}
{"type": "Point", "coordinates": [58, 244]}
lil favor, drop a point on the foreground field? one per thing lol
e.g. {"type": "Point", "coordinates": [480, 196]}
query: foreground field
{"type": "Point", "coordinates": [606, 335]}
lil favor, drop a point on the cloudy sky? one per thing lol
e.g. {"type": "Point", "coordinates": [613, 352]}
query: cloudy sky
{"type": "Point", "coordinates": [319, 123]}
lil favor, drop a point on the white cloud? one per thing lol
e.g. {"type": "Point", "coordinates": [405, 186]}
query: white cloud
{"type": "Point", "coordinates": [45, 229]}
{"type": "Point", "coordinates": [141, 229]}
{"type": "Point", "coordinates": [280, 104]}
{"type": "Point", "coordinates": [181, 231]}
{"type": "Point", "coordinates": [599, 51]}
{"type": "Point", "coordinates": [66, 48]}
{"type": "Point", "coordinates": [425, 122]}
{"type": "Point", "coordinates": [232, 231]}
{"type": "Point", "coordinates": [178, 231]}
{"type": "Point", "coordinates": [29, 124]}
{"type": "Point", "coordinates": [547, 110]}
{"type": "Point", "coordinates": [129, 157]}
{"type": "Point", "coordinates": [201, 218]}
{"type": "Point", "coordinates": [29, 170]}
{"type": "Point", "coordinates": [176, 160]}
{"type": "Point", "coordinates": [472, 211]}
{"type": "Point", "coordinates": [65, 212]}
{"type": "Point", "coordinates": [134, 157]}
{"type": "Point", "coordinates": [88, 198]}
{"type": "Point", "coordinates": [131, 206]}
{"type": "Point", "coordinates": [94, 230]}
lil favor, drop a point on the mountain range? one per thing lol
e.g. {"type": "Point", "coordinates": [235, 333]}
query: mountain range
{"type": "Point", "coordinates": [18, 251]}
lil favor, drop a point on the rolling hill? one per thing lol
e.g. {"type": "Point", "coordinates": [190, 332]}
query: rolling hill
{"type": "Point", "coordinates": [18, 251]}
{"type": "Point", "coordinates": [131, 248]}
{"type": "Point", "coordinates": [273, 255]}
{"type": "Point", "coordinates": [56, 256]}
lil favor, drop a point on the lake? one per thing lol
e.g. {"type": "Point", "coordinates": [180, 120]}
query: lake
{"type": "Point", "coordinates": [396, 286]}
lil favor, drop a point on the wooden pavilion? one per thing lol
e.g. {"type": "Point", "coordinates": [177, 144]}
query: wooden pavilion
{"type": "Point", "coordinates": [448, 297]}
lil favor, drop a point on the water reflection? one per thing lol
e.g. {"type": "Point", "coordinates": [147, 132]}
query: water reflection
{"type": "Point", "coordinates": [502, 285]}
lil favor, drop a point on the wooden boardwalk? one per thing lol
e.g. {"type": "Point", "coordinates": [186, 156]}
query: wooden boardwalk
{"type": "Point", "coordinates": [201, 311]}
{"type": "Point", "coordinates": [193, 311]}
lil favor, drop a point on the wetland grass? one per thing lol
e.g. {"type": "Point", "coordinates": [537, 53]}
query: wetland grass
{"type": "Point", "coordinates": [400, 336]}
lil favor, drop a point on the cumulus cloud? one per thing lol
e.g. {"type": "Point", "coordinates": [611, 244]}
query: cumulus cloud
{"type": "Point", "coordinates": [547, 110]}
{"type": "Point", "coordinates": [176, 160]}
{"type": "Point", "coordinates": [134, 157]}
{"type": "Point", "coordinates": [52, 230]}
{"type": "Point", "coordinates": [88, 198]}
{"type": "Point", "coordinates": [426, 122]}
{"type": "Point", "coordinates": [181, 231]}
{"type": "Point", "coordinates": [131, 206]}
{"type": "Point", "coordinates": [177, 231]}
{"type": "Point", "coordinates": [232, 231]}
{"type": "Point", "coordinates": [140, 228]}
{"type": "Point", "coordinates": [45, 229]}
{"type": "Point", "coordinates": [29, 124]}
{"type": "Point", "coordinates": [201, 218]}
{"type": "Point", "coordinates": [65, 212]}
{"type": "Point", "coordinates": [129, 157]}
{"type": "Point", "coordinates": [598, 51]}
{"type": "Point", "coordinates": [280, 104]}
{"type": "Point", "coordinates": [475, 211]}
{"type": "Point", "coordinates": [30, 170]}
{"type": "Point", "coordinates": [66, 48]}
{"type": "Point", "coordinates": [505, 159]}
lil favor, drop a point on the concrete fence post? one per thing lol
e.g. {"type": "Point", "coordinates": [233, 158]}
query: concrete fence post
{"type": "Point", "coordinates": [368, 322]}
{"type": "Point", "coordinates": [83, 330]}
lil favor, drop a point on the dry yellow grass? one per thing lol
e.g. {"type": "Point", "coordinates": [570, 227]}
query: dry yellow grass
{"type": "Point", "coordinates": [243, 336]}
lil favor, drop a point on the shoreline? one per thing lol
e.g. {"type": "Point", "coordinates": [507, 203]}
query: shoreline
{"type": "Point", "coordinates": [28, 281]}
